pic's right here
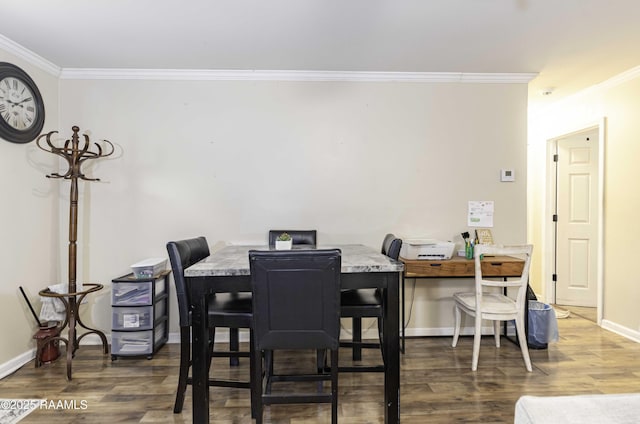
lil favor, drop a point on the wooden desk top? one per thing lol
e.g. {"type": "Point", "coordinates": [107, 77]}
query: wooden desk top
{"type": "Point", "coordinates": [460, 267]}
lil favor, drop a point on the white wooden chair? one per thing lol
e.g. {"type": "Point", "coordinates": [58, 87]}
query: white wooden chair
{"type": "Point", "coordinates": [489, 304]}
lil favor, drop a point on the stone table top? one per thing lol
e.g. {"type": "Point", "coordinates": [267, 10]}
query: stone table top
{"type": "Point", "coordinates": [234, 260]}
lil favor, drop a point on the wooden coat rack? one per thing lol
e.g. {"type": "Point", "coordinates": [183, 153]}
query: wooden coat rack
{"type": "Point", "coordinates": [75, 155]}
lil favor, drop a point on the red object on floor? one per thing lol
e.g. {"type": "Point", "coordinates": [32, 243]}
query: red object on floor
{"type": "Point", "coordinates": [47, 351]}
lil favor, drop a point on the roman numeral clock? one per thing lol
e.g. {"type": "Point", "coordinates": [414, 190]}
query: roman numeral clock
{"type": "Point", "coordinates": [21, 105]}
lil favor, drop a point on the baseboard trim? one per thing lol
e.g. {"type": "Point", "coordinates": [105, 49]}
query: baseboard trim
{"type": "Point", "coordinates": [16, 363]}
{"type": "Point", "coordinates": [621, 330]}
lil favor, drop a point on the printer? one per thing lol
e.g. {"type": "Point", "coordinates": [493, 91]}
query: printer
{"type": "Point", "coordinates": [428, 249]}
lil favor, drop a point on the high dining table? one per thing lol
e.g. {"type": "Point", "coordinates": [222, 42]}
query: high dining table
{"type": "Point", "coordinates": [227, 270]}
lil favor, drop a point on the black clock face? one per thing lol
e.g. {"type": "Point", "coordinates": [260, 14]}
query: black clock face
{"type": "Point", "coordinates": [21, 105]}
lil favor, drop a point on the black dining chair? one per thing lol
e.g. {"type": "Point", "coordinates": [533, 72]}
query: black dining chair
{"type": "Point", "coordinates": [306, 237]}
{"type": "Point", "coordinates": [300, 238]}
{"type": "Point", "coordinates": [227, 310]}
{"type": "Point", "coordinates": [296, 305]}
{"type": "Point", "coordinates": [366, 303]}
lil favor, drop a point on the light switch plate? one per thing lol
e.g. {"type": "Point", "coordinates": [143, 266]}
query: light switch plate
{"type": "Point", "coordinates": [507, 175]}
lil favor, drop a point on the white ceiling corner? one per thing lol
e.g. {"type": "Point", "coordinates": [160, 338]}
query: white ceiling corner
{"type": "Point", "coordinates": [29, 56]}
{"type": "Point", "coordinates": [565, 45]}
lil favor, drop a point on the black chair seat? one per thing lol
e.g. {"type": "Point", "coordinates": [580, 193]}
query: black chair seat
{"type": "Point", "coordinates": [231, 310]}
{"type": "Point", "coordinates": [230, 303]}
{"type": "Point", "coordinates": [353, 302]}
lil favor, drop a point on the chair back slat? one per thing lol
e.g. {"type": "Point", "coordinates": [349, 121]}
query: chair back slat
{"type": "Point", "coordinates": [297, 236]}
{"type": "Point", "coordinates": [520, 251]}
{"type": "Point", "coordinates": [296, 298]}
{"type": "Point", "coordinates": [183, 254]}
{"type": "Point", "coordinates": [391, 246]}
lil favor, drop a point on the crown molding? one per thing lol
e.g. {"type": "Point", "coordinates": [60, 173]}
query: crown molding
{"type": "Point", "coordinates": [595, 89]}
{"type": "Point", "coordinates": [257, 75]}
{"type": "Point", "coordinates": [29, 56]}
{"type": "Point", "coordinates": [280, 75]}
{"type": "Point", "coordinates": [621, 78]}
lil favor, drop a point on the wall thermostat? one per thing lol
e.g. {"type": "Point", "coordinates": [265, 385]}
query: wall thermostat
{"type": "Point", "coordinates": [507, 175]}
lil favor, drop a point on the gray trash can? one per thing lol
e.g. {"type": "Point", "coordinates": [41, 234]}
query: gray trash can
{"type": "Point", "coordinates": [542, 325]}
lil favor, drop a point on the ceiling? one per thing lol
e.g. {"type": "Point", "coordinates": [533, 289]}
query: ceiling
{"type": "Point", "coordinates": [570, 44]}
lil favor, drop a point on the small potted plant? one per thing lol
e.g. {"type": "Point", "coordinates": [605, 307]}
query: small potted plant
{"type": "Point", "coordinates": [284, 242]}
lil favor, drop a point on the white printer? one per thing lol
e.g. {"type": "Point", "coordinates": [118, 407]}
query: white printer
{"type": "Point", "coordinates": [428, 249]}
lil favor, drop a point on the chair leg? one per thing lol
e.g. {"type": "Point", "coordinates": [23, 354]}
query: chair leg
{"type": "Point", "coordinates": [522, 339]}
{"type": "Point", "coordinates": [381, 339]}
{"type": "Point", "coordinates": [456, 328]}
{"type": "Point", "coordinates": [321, 360]}
{"type": "Point", "coordinates": [334, 386]}
{"type": "Point", "coordinates": [268, 370]}
{"type": "Point", "coordinates": [255, 375]}
{"type": "Point", "coordinates": [496, 332]}
{"type": "Point", "coordinates": [185, 359]}
{"type": "Point", "coordinates": [212, 342]}
{"type": "Point", "coordinates": [257, 385]}
{"type": "Point", "coordinates": [477, 336]}
{"type": "Point", "coordinates": [356, 331]}
{"type": "Point", "coordinates": [234, 346]}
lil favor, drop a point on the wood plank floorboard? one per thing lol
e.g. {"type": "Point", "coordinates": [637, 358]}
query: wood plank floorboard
{"type": "Point", "coordinates": [438, 385]}
{"type": "Point", "coordinates": [582, 311]}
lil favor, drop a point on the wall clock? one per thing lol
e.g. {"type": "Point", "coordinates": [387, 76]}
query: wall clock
{"type": "Point", "coordinates": [21, 105]}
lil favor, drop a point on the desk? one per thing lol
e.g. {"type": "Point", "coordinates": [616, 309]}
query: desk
{"type": "Point", "coordinates": [458, 267]}
{"type": "Point", "coordinates": [227, 270]}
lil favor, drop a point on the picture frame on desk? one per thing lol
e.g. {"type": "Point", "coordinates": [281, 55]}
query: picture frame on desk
{"type": "Point", "coordinates": [484, 236]}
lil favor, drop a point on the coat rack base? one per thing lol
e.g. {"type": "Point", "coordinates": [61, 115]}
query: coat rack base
{"type": "Point", "coordinates": [72, 320]}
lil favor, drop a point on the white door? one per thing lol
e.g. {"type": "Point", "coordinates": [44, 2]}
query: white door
{"type": "Point", "coordinates": [577, 219]}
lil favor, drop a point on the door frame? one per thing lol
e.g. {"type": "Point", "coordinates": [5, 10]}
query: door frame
{"type": "Point", "coordinates": [550, 209]}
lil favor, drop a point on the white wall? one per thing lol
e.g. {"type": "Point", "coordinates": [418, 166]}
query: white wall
{"type": "Point", "coordinates": [617, 100]}
{"type": "Point", "coordinates": [354, 160]}
{"type": "Point", "coordinates": [29, 225]}
{"type": "Point", "coordinates": [232, 159]}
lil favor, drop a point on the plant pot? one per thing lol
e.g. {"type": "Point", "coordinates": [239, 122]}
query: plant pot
{"type": "Point", "coordinates": [284, 244]}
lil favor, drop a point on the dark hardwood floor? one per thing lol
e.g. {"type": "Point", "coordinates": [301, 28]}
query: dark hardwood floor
{"type": "Point", "coordinates": [438, 385]}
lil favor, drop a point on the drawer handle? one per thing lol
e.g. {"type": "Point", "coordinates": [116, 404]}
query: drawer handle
{"type": "Point", "coordinates": [435, 264]}
{"type": "Point", "coordinates": [496, 263]}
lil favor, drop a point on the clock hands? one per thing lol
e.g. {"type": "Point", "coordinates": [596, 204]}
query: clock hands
{"type": "Point", "coordinates": [12, 103]}
{"type": "Point", "coordinates": [22, 101]}
{"type": "Point", "coordinates": [15, 113]}
{"type": "Point", "coordinates": [18, 103]}
{"type": "Point", "coordinates": [13, 93]}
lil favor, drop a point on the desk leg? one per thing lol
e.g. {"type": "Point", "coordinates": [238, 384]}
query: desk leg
{"type": "Point", "coordinates": [402, 348]}
{"type": "Point", "coordinates": [392, 350]}
{"type": "Point", "coordinates": [200, 354]}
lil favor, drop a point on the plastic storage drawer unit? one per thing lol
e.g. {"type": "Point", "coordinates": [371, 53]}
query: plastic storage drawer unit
{"type": "Point", "coordinates": [139, 314]}
{"type": "Point", "coordinates": [137, 343]}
